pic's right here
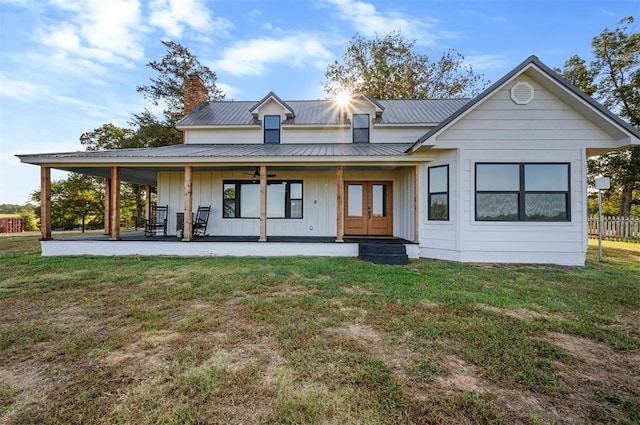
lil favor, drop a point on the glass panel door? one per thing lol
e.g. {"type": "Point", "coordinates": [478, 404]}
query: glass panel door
{"type": "Point", "coordinates": [368, 208]}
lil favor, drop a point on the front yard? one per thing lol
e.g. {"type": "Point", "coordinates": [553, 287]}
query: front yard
{"type": "Point", "coordinates": [316, 341]}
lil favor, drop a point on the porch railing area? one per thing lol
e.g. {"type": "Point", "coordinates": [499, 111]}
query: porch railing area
{"type": "Point", "coordinates": [616, 228]}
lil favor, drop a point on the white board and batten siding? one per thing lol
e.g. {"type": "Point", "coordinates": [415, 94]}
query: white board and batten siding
{"type": "Point", "coordinates": [319, 201]}
{"type": "Point", "coordinates": [499, 130]}
{"type": "Point", "coordinates": [302, 135]}
{"type": "Point", "coordinates": [319, 212]}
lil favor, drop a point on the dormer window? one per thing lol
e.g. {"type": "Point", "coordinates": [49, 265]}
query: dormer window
{"type": "Point", "coordinates": [271, 129]}
{"type": "Point", "coordinates": [360, 128]}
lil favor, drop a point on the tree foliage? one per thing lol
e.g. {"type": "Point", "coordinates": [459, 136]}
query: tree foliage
{"type": "Point", "coordinates": [109, 137]}
{"type": "Point", "coordinates": [389, 68]}
{"type": "Point", "coordinates": [77, 201]}
{"type": "Point", "coordinates": [613, 77]}
{"type": "Point", "coordinates": [174, 67]}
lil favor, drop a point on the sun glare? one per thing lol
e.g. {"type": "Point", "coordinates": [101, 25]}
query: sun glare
{"type": "Point", "coordinates": [343, 98]}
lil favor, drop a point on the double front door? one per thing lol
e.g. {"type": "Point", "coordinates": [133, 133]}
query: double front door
{"type": "Point", "coordinates": [368, 208]}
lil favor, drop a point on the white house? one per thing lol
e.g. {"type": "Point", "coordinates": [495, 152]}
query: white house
{"type": "Point", "coordinates": [498, 178]}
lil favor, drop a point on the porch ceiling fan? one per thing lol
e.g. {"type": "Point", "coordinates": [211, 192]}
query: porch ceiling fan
{"type": "Point", "coordinates": [256, 173]}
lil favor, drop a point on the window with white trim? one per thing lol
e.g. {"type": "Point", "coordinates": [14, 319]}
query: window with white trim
{"type": "Point", "coordinates": [271, 129]}
{"type": "Point", "coordinates": [361, 128]}
{"type": "Point", "coordinates": [523, 192]}
{"type": "Point", "coordinates": [241, 199]}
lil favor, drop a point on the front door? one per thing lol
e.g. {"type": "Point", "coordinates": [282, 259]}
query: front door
{"type": "Point", "coordinates": [368, 208]}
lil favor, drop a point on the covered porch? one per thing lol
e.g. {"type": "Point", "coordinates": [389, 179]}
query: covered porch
{"type": "Point", "coordinates": [314, 223]}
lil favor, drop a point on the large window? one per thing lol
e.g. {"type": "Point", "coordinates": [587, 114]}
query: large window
{"type": "Point", "coordinates": [522, 192]}
{"type": "Point", "coordinates": [361, 128]}
{"type": "Point", "coordinates": [272, 129]}
{"type": "Point", "coordinates": [439, 193]}
{"type": "Point", "coordinates": [241, 199]}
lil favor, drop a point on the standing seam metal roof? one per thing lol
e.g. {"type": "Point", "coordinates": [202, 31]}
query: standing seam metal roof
{"type": "Point", "coordinates": [396, 111]}
{"type": "Point", "coordinates": [236, 150]}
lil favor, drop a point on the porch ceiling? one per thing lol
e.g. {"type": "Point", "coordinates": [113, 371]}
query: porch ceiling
{"type": "Point", "coordinates": [149, 175]}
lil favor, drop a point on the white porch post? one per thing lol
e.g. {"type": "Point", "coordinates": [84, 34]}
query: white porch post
{"type": "Point", "coordinates": [263, 203]}
{"type": "Point", "coordinates": [416, 204]}
{"type": "Point", "coordinates": [340, 204]}
{"type": "Point", "coordinates": [188, 203]}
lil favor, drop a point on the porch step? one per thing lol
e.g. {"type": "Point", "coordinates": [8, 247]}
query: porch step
{"type": "Point", "coordinates": [383, 253]}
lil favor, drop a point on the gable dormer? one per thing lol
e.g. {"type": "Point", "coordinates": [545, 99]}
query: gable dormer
{"type": "Point", "coordinates": [271, 111]}
{"type": "Point", "coordinates": [271, 104]}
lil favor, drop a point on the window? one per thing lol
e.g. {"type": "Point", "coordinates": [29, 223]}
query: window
{"type": "Point", "coordinates": [522, 192]}
{"type": "Point", "coordinates": [272, 129]}
{"type": "Point", "coordinates": [241, 199]}
{"type": "Point", "coordinates": [361, 128]}
{"type": "Point", "coordinates": [439, 193]}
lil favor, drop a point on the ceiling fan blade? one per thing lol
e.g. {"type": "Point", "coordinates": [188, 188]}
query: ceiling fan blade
{"type": "Point", "coordinates": [256, 174]}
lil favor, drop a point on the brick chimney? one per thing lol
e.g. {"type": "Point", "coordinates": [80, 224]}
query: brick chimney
{"type": "Point", "coordinates": [195, 93]}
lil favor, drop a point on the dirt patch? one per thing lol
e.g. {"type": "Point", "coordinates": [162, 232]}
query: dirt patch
{"type": "Point", "coordinates": [144, 355]}
{"type": "Point", "coordinates": [356, 290]}
{"type": "Point", "coordinates": [520, 313]}
{"type": "Point", "coordinates": [526, 314]}
{"type": "Point", "coordinates": [397, 357]}
{"type": "Point", "coordinates": [461, 375]}
{"type": "Point", "coordinates": [598, 363]}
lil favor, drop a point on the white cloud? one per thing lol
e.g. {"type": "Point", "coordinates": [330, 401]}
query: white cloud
{"type": "Point", "coordinates": [229, 91]}
{"type": "Point", "coordinates": [19, 90]}
{"type": "Point", "coordinates": [173, 15]}
{"type": "Point", "coordinates": [486, 62]}
{"type": "Point", "coordinates": [368, 21]}
{"type": "Point", "coordinates": [108, 32]}
{"type": "Point", "coordinates": [251, 57]}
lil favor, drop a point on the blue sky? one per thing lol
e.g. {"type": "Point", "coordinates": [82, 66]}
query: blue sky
{"type": "Point", "coordinates": [69, 66]}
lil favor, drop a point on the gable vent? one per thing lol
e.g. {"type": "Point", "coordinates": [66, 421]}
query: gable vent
{"type": "Point", "coordinates": [522, 93]}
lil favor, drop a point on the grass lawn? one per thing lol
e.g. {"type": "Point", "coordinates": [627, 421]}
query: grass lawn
{"type": "Point", "coordinates": [316, 341]}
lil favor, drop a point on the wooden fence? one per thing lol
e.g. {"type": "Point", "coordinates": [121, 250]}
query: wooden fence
{"type": "Point", "coordinates": [616, 228]}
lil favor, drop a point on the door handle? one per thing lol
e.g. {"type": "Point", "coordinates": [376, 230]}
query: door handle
{"type": "Point", "coordinates": [369, 212]}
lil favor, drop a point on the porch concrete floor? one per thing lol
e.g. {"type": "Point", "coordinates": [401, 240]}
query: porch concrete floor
{"type": "Point", "coordinates": [140, 237]}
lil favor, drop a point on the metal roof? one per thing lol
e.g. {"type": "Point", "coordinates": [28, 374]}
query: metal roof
{"type": "Point", "coordinates": [396, 111]}
{"type": "Point", "coordinates": [229, 151]}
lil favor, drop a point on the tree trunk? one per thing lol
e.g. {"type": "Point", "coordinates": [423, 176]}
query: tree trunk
{"type": "Point", "coordinates": [626, 200]}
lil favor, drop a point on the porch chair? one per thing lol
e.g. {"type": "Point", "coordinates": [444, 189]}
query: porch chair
{"type": "Point", "coordinates": [201, 221]}
{"type": "Point", "coordinates": [158, 220]}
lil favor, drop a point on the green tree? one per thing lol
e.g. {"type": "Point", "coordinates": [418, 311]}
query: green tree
{"type": "Point", "coordinates": [615, 75]}
{"type": "Point", "coordinates": [110, 137]}
{"type": "Point", "coordinates": [29, 221]}
{"type": "Point", "coordinates": [77, 200]}
{"type": "Point", "coordinates": [389, 68]}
